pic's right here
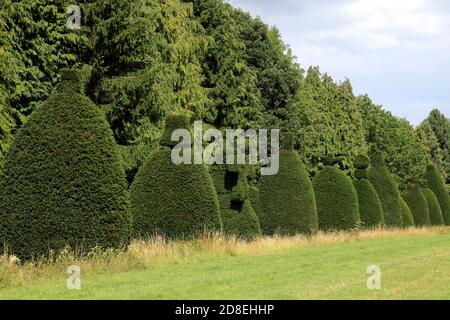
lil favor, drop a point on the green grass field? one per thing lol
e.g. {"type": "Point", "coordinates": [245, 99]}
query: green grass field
{"type": "Point", "coordinates": [414, 265]}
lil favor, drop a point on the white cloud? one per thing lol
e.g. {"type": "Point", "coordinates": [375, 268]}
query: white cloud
{"type": "Point", "coordinates": [398, 51]}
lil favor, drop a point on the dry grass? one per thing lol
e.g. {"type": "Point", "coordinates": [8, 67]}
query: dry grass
{"type": "Point", "coordinates": [157, 252]}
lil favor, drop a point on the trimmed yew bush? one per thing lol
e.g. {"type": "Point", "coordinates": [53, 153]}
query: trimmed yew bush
{"type": "Point", "coordinates": [176, 201]}
{"type": "Point", "coordinates": [370, 209]}
{"type": "Point", "coordinates": [436, 218]}
{"type": "Point", "coordinates": [64, 182]}
{"type": "Point", "coordinates": [417, 202]}
{"type": "Point", "coordinates": [387, 191]}
{"type": "Point", "coordinates": [337, 201]}
{"type": "Point", "coordinates": [286, 200]}
{"type": "Point", "coordinates": [407, 217]}
{"type": "Point", "coordinates": [437, 185]}
{"type": "Point", "coordinates": [238, 216]}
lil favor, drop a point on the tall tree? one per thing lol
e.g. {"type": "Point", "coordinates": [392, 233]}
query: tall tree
{"type": "Point", "coordinates": [404, 154]}
{"type": "Point", "coordinates": [232, 85]}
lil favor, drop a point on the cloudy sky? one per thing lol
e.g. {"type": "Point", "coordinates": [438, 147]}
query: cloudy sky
{"type": "Point", "coordinates": [397, 51]}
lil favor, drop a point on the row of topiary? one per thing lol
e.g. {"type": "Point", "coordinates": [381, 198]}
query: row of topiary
{"type": "Point", "coordinates": [63, 185]}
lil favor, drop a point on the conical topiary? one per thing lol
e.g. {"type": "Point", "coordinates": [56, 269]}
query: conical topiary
{"type": "Point", "coordinates": [238, 216]}
{"type": "Point", "coordinates": [64, 182]}
{"type": "Point", "coordinates": [417, 202]}
{"type": "Point", "coordinates": [286, 200]}
{"type": "Point", "coordinates": [177, 201]}
{"type": "Point", "coordinates": [434, 208]}
{"type": "Point", "coordinates": [386, 189]}
{"type": "Point", "coordinates": [407, 217]}
{"type": "Point", "coordinates": [437, 185]}
{"type": "Point", "coordinates": [370, 209]}
{"type": "Point", "coordinates": [337, 201]}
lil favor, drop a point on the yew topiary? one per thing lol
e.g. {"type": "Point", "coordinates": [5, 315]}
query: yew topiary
{"type": "Point", "coordinates": [437, 185]}
{"type": "Point", "coordinates": [64, 182]}
{"type": "Point", "coordinates": [337, 200]}
{"type": "Point", "coordinates": [407, 217]}
{"type": "Point", "coordinates": [370, 209]}
{"type": "Point", "coordinates": [387, 190]}
{"type": "Point", "coordinates": [286, 200]}
{"type": "Point", "coordinates": [238, 217]}
{"type": "Point", "coordinates": [436, 218]}
{"type": "Point", "coordinates": [417, 202]}
{"type": "Point", "coordinates": [176, 201]}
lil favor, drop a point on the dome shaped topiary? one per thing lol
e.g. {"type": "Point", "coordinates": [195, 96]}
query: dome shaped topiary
{"type": "Point", "coordinates": [370, 209]}
{"type": "Point", "coordinates": [407, 217]}
{"type": "Point", "coordinates": [337, 201]}
{"type": "Point", "coordinates": [286, 200]}
{"type": "Point", "coordinates": [64, 182]}
{"type": "Point", "coordinates": [177, 201]}
{"type": "Point", "coordinates": [437, 185]}
{"type": "Point", "coordinates": [386, 189]}
{"type": "Point", "coordinates": [417, 202]}
{"type": "Point", "coordinates": [238, 216]}
{"type": "Point", "coordinates": [436, 218]}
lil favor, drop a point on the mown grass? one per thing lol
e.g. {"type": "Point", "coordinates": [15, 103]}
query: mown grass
{"type": "Point", "coordinates": [414, 265]}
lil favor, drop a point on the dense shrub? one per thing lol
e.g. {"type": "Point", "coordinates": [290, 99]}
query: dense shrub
{"type": "Point", "coordinates": [434, 208]}
{"type": "Point", "coordinates": [177, 201]}
{"type": "Point", "coordinates": [286, 200]}
{"type": "Point", "coordinates": [437, 185]}
{"type": "Point", "coordinates": [238, 216]}
{"type": "Point", "coordinates": [417, 202]}
{"type": "Point", "coordinates": [337, 201]}
{"type": "Point", "coordinates": [64, 182]}
{"type": "Point", "coordinates": [387, 190]}
{"type": "Point", "coordinates": [407, 217]}
{"type": "Point", "coordinates": [370, 209]}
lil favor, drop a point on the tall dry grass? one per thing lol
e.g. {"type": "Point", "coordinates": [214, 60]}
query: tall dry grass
{"type": "Point", "coordinates": [158, 252]}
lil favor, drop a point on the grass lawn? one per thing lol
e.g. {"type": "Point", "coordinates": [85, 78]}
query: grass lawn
{"type": "Point", "coordinates": [414, 266]}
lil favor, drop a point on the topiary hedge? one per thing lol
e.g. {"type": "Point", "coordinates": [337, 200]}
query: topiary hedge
{"type": "Point", "coordinates": [64, 182]}
{"type": "Point", "coordinates": [387, 190]}
{"type": "Point", "coordinates": [286, 200]}
{"type": "Point", "coordinates": [238, 216]}
{"type": "Point", "coordinates": [337, 201]}
{"type": "Point", "coordinates": [370, 209]}
{"type": "Point", "coordinates": [177, 201]}
{"type": "Point", "coordinates": [436, 218]}
{"type": "Point", "coordinates": [437, 185]}
{"type": "Point", "coordinates": [407, 217]}
{"type": "Point", "coordinates": [417, 202]}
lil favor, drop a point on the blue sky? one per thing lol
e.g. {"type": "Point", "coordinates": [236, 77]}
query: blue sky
{"type": "Point", "coordinates": [397, 51]}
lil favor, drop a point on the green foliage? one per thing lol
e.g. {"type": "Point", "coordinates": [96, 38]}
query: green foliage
{"type": "Point", "coordinates": [286, 200]}
{"type": "Point", "coordinates": [177, 201]}
{"type": "Point", "coordinates": [407, 216]}
{"type": "Point", "coordinates": [387, 190]}
{"type": "Point", "coordinates": [434, 208]}
{"type": "Point", "coordinates": [42, 45]}
{"type": "Point", "coordinates": [63, 182]}
{"type": "Point", "coordinates": [396, 137]}
{"type": "Point", "coordinates": [435, 135]}
{"type": "Point", "coordinates": [417, 202]}
{"type": "Point", "coordinates": [326, 119]}
{"type": "Point", "coordinates": [232, 85]}
{"type": "Point", "coordinates": [370, 209]}
{"type": "Point", "coordinates": [238, 216]}
{"type": "Point", "coordinates": [337, 201]}
{"type": "Point", "coordinates": [278, 75]}
{"type": "Point", "coordinates": [437, 185]}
